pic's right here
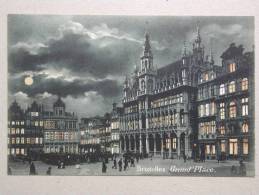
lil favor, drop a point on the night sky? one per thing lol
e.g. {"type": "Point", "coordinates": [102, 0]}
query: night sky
{"type": "Point", "coordinates": [84, 59]}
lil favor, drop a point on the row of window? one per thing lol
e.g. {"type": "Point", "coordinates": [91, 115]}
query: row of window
{"type": "Point", "coordinates": [131, 109]}
{"type": "Point", "coordinates": [206, 128]}
{"type": "Point", "coordinates": [167, 101]}
{"type": "Point", "coordinates": [59, 124]}
{"type": "Point", "coordinates": [16, 122]}
{"type": "Point", "coordinates": [28, 140]}
{"type": "Point", "coordinates": [60, 136]}
{"type": "Point", "coordinates": [69, 149]}
{"type": "Point", "coordinates": [232, 112]}
{"type": "Point", "coordinates": [90, 141]}
{"type": "Point", "coordinates": [211, 90]}
{"type": "Point", "coordinates": [233, 146]}
{"type": "Point", "coordinates": [15, 131]}
{"type": "Point", "coordinates": [231, 129]}
{"type": "Point", "coordinates": [208, 109]}
{"type": "Point", "coordinates": [17, 151]}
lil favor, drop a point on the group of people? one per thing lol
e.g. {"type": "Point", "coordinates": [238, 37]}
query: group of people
{"type": "Point", "coordinates": [123, 163]}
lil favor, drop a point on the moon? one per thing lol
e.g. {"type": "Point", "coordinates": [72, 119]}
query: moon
{"type": "Point", "coordinates": [28, 80]}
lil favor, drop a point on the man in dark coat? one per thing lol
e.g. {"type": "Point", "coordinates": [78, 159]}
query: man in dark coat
{"type": "Point", "coordinates": [104, 167]}
{"type": "Point", "coordinates": [32, 169]}
{"type": "Point", "coordinates": [120, 164]}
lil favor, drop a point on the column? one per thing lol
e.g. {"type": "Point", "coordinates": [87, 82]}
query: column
{"type": "Point", "coordinates": [170, 146]}
{"type": "Point", "coordinates": [135, 143]}
{"type": "Point", "coordinates": [140, 143]}
{"type": "Point", "coordinates": [155, 145]}
{"type": "Point", "coordinates": [130, 143]}
{"type": "Point", "coordinates": [186, 145]}
{"type": "Point", "coordinates": [120, 147]}
{"type": "Point", "coordinates": [162, 145]}
{"type": "Point", "coordinates": [125, 144]}
{"type": "Point", "coordinates": [178, 146]}
{"type": "Point", "coordinates": [147, 144]}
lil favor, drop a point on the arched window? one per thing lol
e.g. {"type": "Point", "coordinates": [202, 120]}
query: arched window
{"type": "Point", "coordinates": [150, 85]}
{"type": "Point", "coordinates": [232, 110]}
{"type": "Point", "coordinates": [244, 84]}
{"type": "Point", "coordinates": [232, 67]}
{"type": "Point", "coordinates": [232, 87]}
{"type": "Point", "coordinates": [222, 89]}
{"type": "Point", "coordinates": [245, 127]}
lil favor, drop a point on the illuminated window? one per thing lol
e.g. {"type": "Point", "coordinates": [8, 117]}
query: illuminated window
{"type": "Point", "coordinates": [222, 89]}
{"type": "Point", "coordinates": [167, 144]}
{"type": "Point", "coordinates": [207, 149]}
{"type": "Point", "coordinates": [13, 122]}
{"type": "Point", "coordinates": [12, 151]}
{"type": "Point", "coordinates": [206, 76]}
{"type": "Point", "coordinates": [13, 131]}
{"type": "Point", "coordinates": [222, 130]}
{"type": "Point", "coordinates": [41, 123]}
{"type": "Point", "coordinates": [232, 110]}
{"type": "Point", "coordinates": [22, 140]}
{"type": "Point", "coordinates": [22, 151]}
{"type": "Point", "coordinates": [207, 109]}
{"type": "Point", "coordinates": [17, 151]}
{"type": "Point", "coordinates": [22, 130]}
{"type": "Point", "coordinates": [36, 123]}
{"type": "Point", "coordinates": [233, 147]}
{"type": "Point", "coordinates": [245, 146]}
{"type": "Point", "coordinates": [244, 106]}
{"type": "Point", "coordinates": [17, 123]}
{"type": "Point", "coordinates": [223, 146]}
{"type": "Point", "coordinates": [213, 108]}
{"type": "Point", "coordinates": [232, 67]}
{"type": "Point", "coordinates": [36, 140]}
{"type": "Point", "coordinates": [17, 140]}
{"type": "Point", "coordinates": [201, 110]}
{"type": "Point", "coordinates": [28, 141]}
{"type": "Point", "coordinates": [232, 87]}
{"type": "Point", "coordinates": [34, 114]}
{"type": "Point", "coordinates": [13, 140]}
{"type": "Point", "coordinates": [174, 143]}
{"type": "Point", "coordinates": [22, 122]}
{"type": "Point", "coordinates": [245, 127]}
{"type": "Point", "coordinates": [17, 131]}
{"type": "Point", "coordinates": [244, 84]}
{"type": "Point", "coordinates": [222, 111]}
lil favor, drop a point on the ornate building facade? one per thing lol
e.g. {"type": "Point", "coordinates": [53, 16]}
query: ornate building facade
{"type": "Point", "coordinates": [61, 130]}
{"type": "Point", "coordinates": [191, 107]}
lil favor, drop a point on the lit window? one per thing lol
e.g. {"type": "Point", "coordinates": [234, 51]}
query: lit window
{"type": "Point", "coordinates": [207, 109]}
{"type": "Point", "coordinates": [22, 130]}
{"type": "Point", "coordinates": [13, 131]}
{"type": "Point", "coordinates": [207, 150]}
{"type": "Point", "coordinates": [28, 140]}
{"type": "Point", "coordinates": [233, 148]}
{"type": "Point", "coordinates": [174, 143]}
{"type": "Point", "coordinates": [17, 140]}
{"type": "Point", "coordinates": [22, 122]}
{"type": "Point", "coordinates": [17, 151]}
{"type": "Point", "coordinates": [13, 140]}
{"type": "Point", "coordinates": [36, 123]}
{"type": "Point", "coordinates": [245, 146]}
{"type": "Point", "coordinates": [167, 143]}
{"type": "Point", "coordinates": [232, 110]}
{"type": "Point", "coordinates": [222, 89]}
{"type": "Point", "coordinates": [41, 123]}
{"type": "Point", "coordinates": [222, 130]}
{"type": "Point", "coordinates": [245, 127]}
{"type": "Point", "coordinates": [17, 131]}
{"type": "Point", "coordinates": [206, 76]}
{"type": "Point", "coordinates": [22, 140]}
{"type": "Point", "coordinates": [17, 123]}
{"type": "Point", "coordinates": [232, 87]}
{"type": "Point", "coordinates": [222, 111]}
{"type": "Point", "coordinates": [13, 122]}
{"type": "Point", "coordinates": [232, 67]}
{"type": "Point", "coordinates": [13, 151]}
{"type": "Point", "coordinates": [36, 140]}
{"type": "Point", "coordinates": [22, 151]}
{"type": "Point", "coordinates": [244, 106]}
{"type": "Point", "coordinates": [244, 84]}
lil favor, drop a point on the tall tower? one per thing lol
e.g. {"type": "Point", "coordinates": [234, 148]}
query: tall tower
{"type": "Point", "coordinates": [147, 72]}
{"type": "Point", "coordinates": [198, 49]}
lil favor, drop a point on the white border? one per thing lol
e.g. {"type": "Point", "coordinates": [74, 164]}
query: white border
{"type": "Point", "coordinates": [118, 185]}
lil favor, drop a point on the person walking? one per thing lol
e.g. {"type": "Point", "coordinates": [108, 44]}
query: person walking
{"type": "Point", "coordinates": [104, 167]}
{"type": "Point", "coordinates": [32, 169]}
{"type": "Point", "coordinates": [48, 171]}
{"type": "Point", "coordinates": [242, 168]}
{"type": "Point", "coordinates": [114, 164]}
{"type": "Point", "coordinates": [120, 164]}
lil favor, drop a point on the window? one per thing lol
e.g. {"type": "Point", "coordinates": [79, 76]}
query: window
{"type": "Point", "coordinates": [17, 140]}
{"type": "Point", "coordinates": [233, 148]}
{"type": "Point", "coordinates": [167, 144]}
{"type": "Point", "coordinates": [22, 140]}
{"type": "Point", "coordinates": [245, 127]}
{"type": "Point", "coordinates": [174, 144]}
{"type": "Point", "coordinates": [222, 111]}
{"type": "Point", "coordinates": [244, 106]}
{"type": "Point", "coordinates": [28, 140]}
{"type": "Point", "coordinates": [17, 131]}
{"type": "Point", "coordinates": [207, 109]}
{"type": "Point", "coordinates": [13, 131]}
{"type": "Point", "coordinates": [22, 151]}
{"type": "Point", "coordinates": [36, 123]}
{"type": "Point", "coordinates": [201, 110]}
{"type": "Point", "coordinates": [17, 151]}
{"type": "Point", "coordinates": [13, 122]}
{"type": "Point", "coordinates": [22, 122]}
{"type": "Point", "coordinates": [222, 130]}
{"type": "Point", "coordinates": [232, 67]}
{"type": "Point", "coordinates": [222, 89]}
{"type": "Point", "coordinates": [22, 130]}
{"type": "Point", "coordinates": [34, 114]}
{"type": "Point", "coordinates": [41, 123]}
{"type": "Point", "coordinates": [244, 84]}
{"type": "Point", "coordinates": [232, 87]}
{"type": "Point", "coordinates": [213, 108]}
{"type": "Point", "coordinates": [232, 110]}
{"type": "Point", "coordinates": [206, 76]}
{"type": "Point", "coordinates": [245, 146]}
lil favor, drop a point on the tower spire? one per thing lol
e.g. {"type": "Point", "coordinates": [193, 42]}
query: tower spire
{"type": "Point", "coordinates": [211, 53]}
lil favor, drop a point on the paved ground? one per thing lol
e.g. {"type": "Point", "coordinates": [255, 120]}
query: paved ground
{"type": "Point", "coordinates": [156, 166]}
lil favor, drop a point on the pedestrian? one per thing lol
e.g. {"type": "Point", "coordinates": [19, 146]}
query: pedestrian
{"type": "Point", "coordinates": [184, 157]}
{"type": "Point", "coordinates": [114, 164]}
{"type": "Point", "coordinates": [120, 164]}
{"type": "Point", "coordinates": [132, 162]}
{"type": "Point", "coordinates": [9, 171]}
{"type": "Point", "coordinates": [32, 169]}
{"type": "Point", "coordinates": [104, 167]}
{"type": "Point", "coordinates": [242, 168]}
{"type": "Point", "coordinates": [48, 171]}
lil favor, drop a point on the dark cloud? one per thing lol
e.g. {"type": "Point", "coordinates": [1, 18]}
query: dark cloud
{"type": "Point", "coordinates": [58, 86]}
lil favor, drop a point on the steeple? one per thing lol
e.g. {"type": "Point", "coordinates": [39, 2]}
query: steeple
{"type": "Point", "coordinates": [147, 46]}
{"type": "Point", "coordinates": [211, 59]}
{"type": "Point", "coordinates": [198, 37]}
{"type": "Point", "coordinates": [147, 57]}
